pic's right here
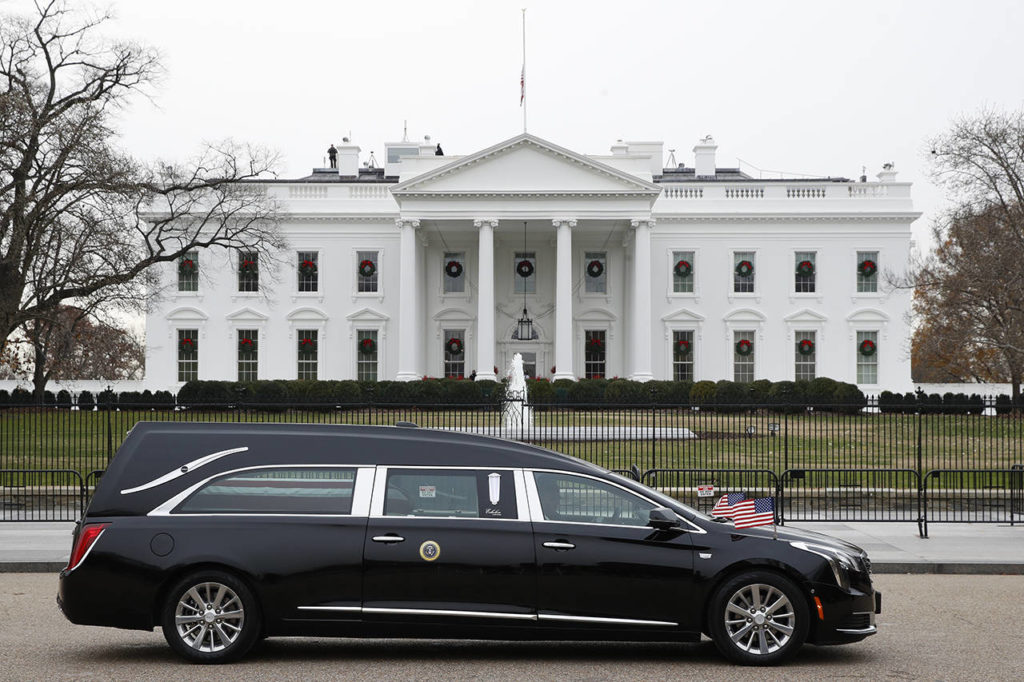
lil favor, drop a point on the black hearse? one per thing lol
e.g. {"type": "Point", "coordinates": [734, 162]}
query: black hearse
{"type": "Point", "coordinates": [223, 534]}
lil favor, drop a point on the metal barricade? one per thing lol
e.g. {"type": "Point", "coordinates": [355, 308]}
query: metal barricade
{"type": "Point", "coordinates": [41, 495]}
{"type": "Point", "coordinates": [971, 495]}
{"type": "Point", "coordinates": [685, 484]}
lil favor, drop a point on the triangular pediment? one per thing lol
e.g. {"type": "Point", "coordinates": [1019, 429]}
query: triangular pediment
{"type": "Point", "coordinates": [745, 315]}
{"type": "Point", "coordinates": [806, 316]}
{"type": "Point", "coordinates": [526, 165]}
{"type": "Point", "coordinates": [683, 315]}
{"type": "Point", "coordinates": [367, 315]}
{"type": "Point", "coordinates": [247, 315]}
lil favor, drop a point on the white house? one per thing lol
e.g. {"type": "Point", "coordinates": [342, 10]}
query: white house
{"type": "Point", "coordinates": [424, 266]}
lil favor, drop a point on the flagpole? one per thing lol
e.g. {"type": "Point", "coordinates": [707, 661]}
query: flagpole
{"type": "Point", "coordinates": [523, 76]}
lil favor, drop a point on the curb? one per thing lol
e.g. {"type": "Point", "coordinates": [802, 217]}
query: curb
{"type": "Point", "coordinates": [32, 566]}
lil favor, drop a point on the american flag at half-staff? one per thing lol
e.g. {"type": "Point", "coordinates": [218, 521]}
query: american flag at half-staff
{"type": "Point", "coordinates": [758, 512]}
{"type": "Point", "coordinates": [724, 506]}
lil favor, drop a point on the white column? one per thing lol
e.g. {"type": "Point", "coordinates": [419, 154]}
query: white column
{"type": "Point", "coordinates": [485, 300]}
{"type": "Point", "coordinates": [563, 300]}
{"type": "Point", "coordinates": [409, 334]}
{"type": "Point", "coordinates": [640, 335]}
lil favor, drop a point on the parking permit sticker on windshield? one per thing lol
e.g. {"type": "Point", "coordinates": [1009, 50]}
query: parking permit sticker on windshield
{"type": "Point", "coordinates": [705, 491]}
{"type": "Point", "coordinates": [428, 491]}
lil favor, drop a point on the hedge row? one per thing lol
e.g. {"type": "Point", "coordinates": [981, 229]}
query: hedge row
{"type": "Point", "coordinates": [947, 403]}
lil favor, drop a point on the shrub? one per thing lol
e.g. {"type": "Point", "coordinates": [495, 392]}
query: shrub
{"type": "Point", "coordinates": [163, 399]}
{"type": "Point", "coordinates": [625, 392]}
{"type": "Point", "coordinates": [49, 398]}
{"type": "Point", "coordinates": [5, 397]}
{"type": "Point", "coordinates": [86, 401]}
{"type": "Point", "coordinates": [271, 396]}
{"type": "Point", "coordinates": [910, 403]}
{"type": "Point", "coordinates": [848, 398]}
{"type": "Point", "coordinates": [106, 400]}
{"type": "Point", "coordinates": [348, 393]}
{"type": "Point", "coordinates": [821, 393]}
{"type": "Point", "coordinates": [322, 394]}
{"type": "Point", "coordinates": [129, 398]}
{"type": "Point", "coordinates": [539, 392]}
{"type": "Point", "coordinates": [587, 392]}
{"type": "Point", "coordinates": [395, 392]}
{"type": "Point", "coordinates": [670, 392]}
{"type": "Point", "coordinates": [465, 392]}
{"type": "Point", "coordinates": [786, 397]}
{"type": "Point", "coordinates": [20, 396]}
{"type": "Point", "coordinates": [731, 396]}
{"type": "Point", "coordinates": [63, 399]}
{"type": "Point", "coordinates": [702, 393]}
{"type": "Point", "coordinates": [975, 404]}
{"type": "Point", "coordinates": [889, 402]}
{"type": "Point", "coordinates": [1003, 404]}
{"type": "Point", "coordinates": [759, 391]}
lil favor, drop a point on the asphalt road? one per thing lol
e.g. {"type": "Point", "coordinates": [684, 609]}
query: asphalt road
{"type": "Point", "coordinates": [933, 627]}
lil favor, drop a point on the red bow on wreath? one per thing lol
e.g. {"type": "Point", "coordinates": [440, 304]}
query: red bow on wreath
{"type": "Point", "coordinates": [805, 347]}
{"type": "Point", "coordinates": [367, 346]}
{"type": "Point", "coordinates": [744, 347]}
{"type": "Point", "coordinates": [867, 347]}
{"type": "Point", "coordinates": [367, 268]}
{"type": "Point", "coordinates": [682, 347]}
{"type": "Point", "coordinates": [595, 344]}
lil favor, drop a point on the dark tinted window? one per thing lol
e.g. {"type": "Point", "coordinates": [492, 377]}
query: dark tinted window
{"type": "Point", "coordinates": [452, 492]}
{"type": "Point", "coordinates": [275, 491]}
{"type": "Point", "coordinates": [564, 497]}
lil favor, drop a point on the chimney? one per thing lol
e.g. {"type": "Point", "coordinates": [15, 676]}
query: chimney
{"type": "Point", "coordinates": [620, 147]}
{"type": "Point", "coordinates": [704, 158]}
{"type": "Point", "coordinates": [348, 158]}
{"type": "Point", "coordinates": [888, 173]}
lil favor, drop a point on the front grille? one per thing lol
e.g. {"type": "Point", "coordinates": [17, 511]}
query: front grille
{"type": "Point", "coordinates": [855, 621]}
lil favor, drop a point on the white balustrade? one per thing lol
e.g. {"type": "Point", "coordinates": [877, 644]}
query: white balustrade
{"type": "Point", "coordinates": [744, 192]}
{"type": "Point", "coordinates": [369, 191]}
{"type": "Point", "coordinates": [683, 192]}
{"type": "Point", "coordinates": [307, 192]}
{"type": "Point", "coordinates": [805, 192]}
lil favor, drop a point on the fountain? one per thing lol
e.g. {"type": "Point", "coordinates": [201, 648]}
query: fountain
{"type": "Point", "coordinates": [516, 414]}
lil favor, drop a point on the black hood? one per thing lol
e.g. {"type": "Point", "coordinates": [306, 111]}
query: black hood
{"type": "Point", "coordinates": [785, 534]}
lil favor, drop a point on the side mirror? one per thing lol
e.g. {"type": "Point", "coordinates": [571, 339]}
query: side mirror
{"type": "Point", "coordinates": [663, 518]}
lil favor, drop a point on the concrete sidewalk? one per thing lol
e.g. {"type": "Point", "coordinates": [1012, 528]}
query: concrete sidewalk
{"type": "Point", "coordinates": [893, 547]}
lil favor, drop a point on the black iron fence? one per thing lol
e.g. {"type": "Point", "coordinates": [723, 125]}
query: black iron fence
{"type": "Point", "coordinates": [828, 463]}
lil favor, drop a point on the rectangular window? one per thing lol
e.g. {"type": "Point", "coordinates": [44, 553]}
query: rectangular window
{"type": "Point", "coordinates": [309, 270]}
{"type": "Point", "coordinates": [527, 284]}
{"type": "Point", "coordinates": [275, 491]}
{"type": "Point", "coordinates": [188, 354]}
{"type": "Point", "coordinates": [682, 272]}
{"type": "Point", "coordinates": [188, 272]}
{"type": "Point", "coordinates": [806, 356]}
{"type": "Point", "coordinates": [248, 271]}
{"type": "Point", "coordinates": [529, 364]}
{"type": "Point", "coordinates": [446, 493]}
{"type": "Point", "coordinates": [575, 499]}
{"type": "Point", "coordinates": [867, 272]}
{"type": "Point", "coordinates": [308, 353]}
{"type": "Point", "coordinates": [682, 356]}
{"type": "Point", "coordinates": [594, 353]}
{"type": "Point", "coordinates": [805, 272]}
{"type": "Point", "coordinates": [743, 357]}
{"type": "Point", "coordinates": [743, 265]}
{"type": "Point", "coordinates": [367, 264]}
{"type": "Point", "coordinates": [248, 354]}
{"type": "Point", "coordinates": [454, 269]}
{"type": "Point", "coordinates": [867, 363]}
{"type": "Point", "coordinates": [595, 269]}
{"type": "Point", "coordinates": [454, 353]}
{"type": "Point", "coordinates": [366, 355]}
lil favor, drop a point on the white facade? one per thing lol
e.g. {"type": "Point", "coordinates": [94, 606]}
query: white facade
{"type": "Point", "coordinates": [421, 212]}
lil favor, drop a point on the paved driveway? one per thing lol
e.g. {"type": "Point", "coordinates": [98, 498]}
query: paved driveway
{"type": "Point", "coordinates": [934, 627]}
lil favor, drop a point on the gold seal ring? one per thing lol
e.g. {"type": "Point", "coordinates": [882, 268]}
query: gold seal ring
{"type": "Point", "coordinates": [430, 550]}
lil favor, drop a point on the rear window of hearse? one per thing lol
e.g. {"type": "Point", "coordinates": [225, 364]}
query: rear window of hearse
{"type": "Point", "coordinates": [275, 491]}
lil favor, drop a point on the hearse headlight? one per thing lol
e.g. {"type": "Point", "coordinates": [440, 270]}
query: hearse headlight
{"type": "Point", "coordinates": [841, 561]}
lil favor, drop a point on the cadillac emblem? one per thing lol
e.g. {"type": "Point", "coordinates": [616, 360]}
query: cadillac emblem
{"type": "Point", "coordinates": [430, 550]}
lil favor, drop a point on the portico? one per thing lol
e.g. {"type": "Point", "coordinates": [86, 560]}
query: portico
{"type": "Point", "coordinates": [547, 206]}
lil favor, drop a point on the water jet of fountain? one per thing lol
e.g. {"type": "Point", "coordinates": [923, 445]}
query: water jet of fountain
{"type": "Point", "coordinates": [516, 414]}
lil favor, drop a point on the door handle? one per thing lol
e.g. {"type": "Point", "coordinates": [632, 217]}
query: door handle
{"type": "Point", "coordinates": [388, 538]}
{"type": "Point", "coordinates": [559, 545]}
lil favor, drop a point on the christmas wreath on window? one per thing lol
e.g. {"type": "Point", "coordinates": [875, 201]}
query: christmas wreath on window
{"type": "Point", "coordinates": [867, 267]}
{"type": "Point", "coordinates": [454, 346]}
{"type": "Point", "coordinates": [524, 268]}
{"type": "Point", "coordinates": [744, 268]}
{"type": "Point", "coordinates": [595, 345]}
{"type": "Point", "coordinates": [367, 268]}
{"type": "Point", "coordinates": [867, 347]}
{"type": "Point", "coordinates": [187, 265]}
{"type": "Point", "coordinates": [367, 346]}
{"type": "Point", "coordinates": [744, 347]}
{"type": "Point", "coordinates": [595, 268]}
{"type": "Point", "coordinates": [307, 346]}
{"type": "Point", "coordinates": [246, 345]}
{"type": "Point", "coordinates": [453, 269]}
{"type": "Point", "coordinates": [682, 347]}
{"type": "Point", "coordinates": [188, 344]}
{"type": "Point", "coordinates": [805, 268]}
{"type": "Point", "coordinates": [248, 267]}
{"type": "Point", "coordinates": [307, 267]}
{"type": "Point", "coordinates": [805, 346]}
{"type": "Point", "coordinates": [683, 268]}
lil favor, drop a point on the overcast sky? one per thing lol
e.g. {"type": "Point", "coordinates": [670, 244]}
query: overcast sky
{"type": "Point", "coordinates": [805, 87]}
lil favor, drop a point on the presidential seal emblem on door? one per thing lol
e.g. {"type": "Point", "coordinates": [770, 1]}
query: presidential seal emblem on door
{"type": "Point", "coordinates": [430, 550]}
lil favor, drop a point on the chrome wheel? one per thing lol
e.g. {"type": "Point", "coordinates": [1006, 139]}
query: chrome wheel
{"type": "Point", "coordinates": [759, 619]}
{"type": "Point", "coordinates": [209, 617]}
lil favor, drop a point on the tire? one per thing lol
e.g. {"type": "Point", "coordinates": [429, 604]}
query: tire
{"type": "Point", "coordinates": [211, 617]}
{"type": "Point", "coordinates": [758, 618]}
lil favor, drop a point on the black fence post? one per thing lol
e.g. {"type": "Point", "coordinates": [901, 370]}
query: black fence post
{"type": "Point", "coordinates": [110, 436]}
